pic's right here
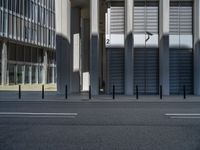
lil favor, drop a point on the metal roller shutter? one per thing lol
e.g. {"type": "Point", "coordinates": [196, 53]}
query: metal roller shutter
{"type": "Point", "coordinates": [146, 70]}
{"type": "Point", "coordinates": [116, 69]}
{"type": "Point", "coordinates": [146, 60]}
{"type": "Point", "coordinates": [181, 59]}
{"type": "Point", "coordinates": [181, 71]}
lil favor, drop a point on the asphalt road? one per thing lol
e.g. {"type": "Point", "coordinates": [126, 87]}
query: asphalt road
{"type": "Point", "coordinates": [99, 126]}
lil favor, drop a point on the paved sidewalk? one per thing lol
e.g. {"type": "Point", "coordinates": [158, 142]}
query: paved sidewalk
{"type": "Point", "coordinates": [54, 96]}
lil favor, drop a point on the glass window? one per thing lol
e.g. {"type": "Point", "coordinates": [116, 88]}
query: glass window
{"type": "Point", "coordinates": [5, 3]}
{"type": "Point", "coordinates": [18, 27]}
{"type": "Point", "coordinates": [5, 25]}
{"type": "Point", "coordinates": [10, 25]}
{"type": "Point", "coordinates": [1, 21]}
{"type": "Point", "coordinates": [11, 51]}
{"type": "Point", "coordinates": [20, 71]}
{"type": "Point", "coordinates": [20, 53]}
{"type": "Point", "coordinates": [27, 74]}
{"type": "Point", "coordinates": [10, 4]}
{"type": "Point", "coordinates": [22, 7]}
{"type": "Point", "coordinates": [34, 55]}
{"type": "Point", "coordinates": [13, 5]}
{"type": "Point", "coordinates": [40, 74]}
{"type": "Point", "coordinates": [34, 73]}
{"type": "Point", "coordinates": [11, 70]}
{"type": "Point", "coordinates": [26, 8]}
{"type": "Point", "coordinates": [1, 3]}
{"type": "Point", "coordinates": [14, 26]}
{"type": "Point", "coordinates": [17, 6]}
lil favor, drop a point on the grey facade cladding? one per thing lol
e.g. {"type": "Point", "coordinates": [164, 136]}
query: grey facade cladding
{"type": "Point", "coordinates": [27, 28]}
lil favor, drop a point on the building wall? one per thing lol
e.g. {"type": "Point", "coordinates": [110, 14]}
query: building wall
{"type": "Point", "coordinates": [166, 27]}
{"type": "Point", "coordinates": [27, 27]}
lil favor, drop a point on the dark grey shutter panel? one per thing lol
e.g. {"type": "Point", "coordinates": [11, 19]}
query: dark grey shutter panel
{"type": "Point", "coordinates": [146, 70]}
{"type": "Point", "coordinates": [116, 70]}
{"type": "Point", "coordinates": [181, 13]}
{"type": "Point", "coordinates": [181, 71]}
{"type": "Point", "coordinates": [146, 16]}
{"type": "Point", "coordinates": [117, 15]}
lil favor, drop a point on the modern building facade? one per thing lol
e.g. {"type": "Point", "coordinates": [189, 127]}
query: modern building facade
{"type": "Point", "coordinates": [27, 41]}
{"type": "Point", "coordinates": [128, 43]}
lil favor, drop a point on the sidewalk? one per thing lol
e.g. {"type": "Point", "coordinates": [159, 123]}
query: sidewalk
{"type": "Point", "coordinates": [53, 96]}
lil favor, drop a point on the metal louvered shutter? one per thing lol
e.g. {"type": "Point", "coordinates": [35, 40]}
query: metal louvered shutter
{"type": "Point", "coordinates": [117, 15]}
{"type": "Point", "coordinates": [146, 17]}
{"type": "Point", "coordinates": [181, 56]}
{"type": "Point", "coordinates": [146, 70]}
{"type": "Point", "coordinates": [181, 13]}
{"type": "Point", "coordinates": [139, 17]}
{"type": "Point", "coordinates": [116, 69]}
{"type": "Point", "coordinates": [181, 71]}
{"type": "Point", "coordinates": [186, 13]}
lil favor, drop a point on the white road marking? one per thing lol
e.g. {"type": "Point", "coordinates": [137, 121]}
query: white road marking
{"type": "Point", "coordinates": [37, 115]}
{"type": "Point", "coordinates": [182, 114]}
{"type": "Point", "coordinates": [185, 117]}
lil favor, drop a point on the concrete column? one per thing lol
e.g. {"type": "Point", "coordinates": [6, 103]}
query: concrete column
{"type": "Point", "coordinates": [45, 66]}
{"type": "Point", "coordinates": [129, 42]}
{"type": "Point", "coordinates": [4, 63]}
{"type": "Point", "coordinates": [63, 35]}
{"type": "Point", "coordinates": [75, 51]}
{"type": "Point", "coordinates": [196, 47]}
{"type": "Point", "coordinates": [94, 46]}
{"type": "Point", "coordinates": [164, 46]}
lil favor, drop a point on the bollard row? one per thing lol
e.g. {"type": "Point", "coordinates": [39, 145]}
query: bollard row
{"type": "Point", "coordinates": [113, 92]}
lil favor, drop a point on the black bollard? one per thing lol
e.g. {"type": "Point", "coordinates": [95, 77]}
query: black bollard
{"type": "Point", "coordinates": [161, 93]}
{"type": "Point", "coordinates": [113, 94]}
{"type": "Point", "coordinates": [137, 92]}
{"type": "Point", "coordinates": [19, 94]}
{"type": "Point", "coordinates": [42, 91]}
{"type": "Point", "coordinates": [184, 92]}
{"type": "Point", "coordinates": [90, 95]}
{"type": "Point", "coordinates": [66, 92]}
